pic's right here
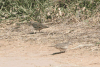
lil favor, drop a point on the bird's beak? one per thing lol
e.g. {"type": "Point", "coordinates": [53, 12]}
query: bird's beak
{"type": "Point", "coordinates": [51, 46]}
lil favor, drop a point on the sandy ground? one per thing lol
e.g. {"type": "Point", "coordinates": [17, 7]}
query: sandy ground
{"type": "Point", "coordinates": [20, 48]}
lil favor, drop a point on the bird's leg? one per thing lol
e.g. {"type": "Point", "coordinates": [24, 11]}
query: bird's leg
{"type": "Point", "coordinates": [39, 31]}
{"type": "Point", "coordinates": [62, 51]}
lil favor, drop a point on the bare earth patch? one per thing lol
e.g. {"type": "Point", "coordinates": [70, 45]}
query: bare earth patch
{"type": "Point", "coordinates": [20, 48]}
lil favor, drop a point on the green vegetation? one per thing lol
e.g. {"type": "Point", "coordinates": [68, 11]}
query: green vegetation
{"type": "Point", "coordinates": [44, 10]}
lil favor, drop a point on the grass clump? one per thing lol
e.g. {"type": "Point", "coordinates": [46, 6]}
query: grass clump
{"type": "Point", "coordinates": [48, 10]}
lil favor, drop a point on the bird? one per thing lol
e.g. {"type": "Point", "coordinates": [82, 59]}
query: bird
{"type": "Point", "coordinates": [61, 46]}
{"type": "Point", "coordinates": [38, 26]}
